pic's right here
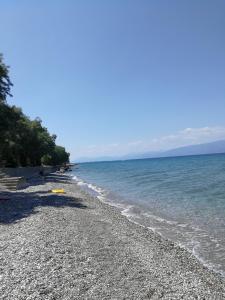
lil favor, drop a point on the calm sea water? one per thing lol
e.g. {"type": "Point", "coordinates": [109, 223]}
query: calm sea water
{"type": "Point", "coordinates": [181, 198]}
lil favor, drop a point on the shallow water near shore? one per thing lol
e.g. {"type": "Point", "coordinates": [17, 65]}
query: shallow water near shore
{"type": "Point", "coordinates": [181, 198]}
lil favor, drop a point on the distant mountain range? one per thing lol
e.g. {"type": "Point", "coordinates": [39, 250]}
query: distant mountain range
{"type": "Point", "coordinates": [207, 148]}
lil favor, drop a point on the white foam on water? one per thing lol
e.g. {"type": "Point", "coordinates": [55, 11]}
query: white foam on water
{"type": "Point", "coordinates": [93, 189]}
{"type": "Point", "coordinates": [127, 212]}
{"type": "Point", "coordinates": [159, 219]}
{"type": "Point", "coordinates": [81, 183]}
{"type": "Point", "coordinates": [195, 252]}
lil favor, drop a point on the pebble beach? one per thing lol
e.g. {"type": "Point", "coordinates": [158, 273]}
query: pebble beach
{"type": "Point", "coordinates": [73, 246]}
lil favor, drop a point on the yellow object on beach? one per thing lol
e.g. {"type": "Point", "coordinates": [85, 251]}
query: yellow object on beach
{"type": "Point", "coordinates": [58, 191]}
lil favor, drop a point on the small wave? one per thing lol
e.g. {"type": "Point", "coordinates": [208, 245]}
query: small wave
{"type": "Point", "coordinates": [93, 189]}
{"type": "Point", "coordinates": [159, 219]}
{"type": "Point", "coordinates": [127, 212]}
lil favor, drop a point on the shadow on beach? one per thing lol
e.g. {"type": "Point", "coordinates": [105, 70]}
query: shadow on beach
{"type": "Point", "coordinates": [19, 205]}
{"type": "Point", "coordinates": [56, 178]}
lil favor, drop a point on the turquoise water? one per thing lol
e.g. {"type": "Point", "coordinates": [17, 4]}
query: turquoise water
{"type": "Point", "coordinates": [181, 198]}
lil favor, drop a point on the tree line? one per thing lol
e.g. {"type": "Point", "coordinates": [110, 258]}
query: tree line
{"type": "Point", "coordinates": [24, 142]}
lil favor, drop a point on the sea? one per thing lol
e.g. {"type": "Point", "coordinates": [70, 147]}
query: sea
{"type": "Point", "coordinates": [180, 198]}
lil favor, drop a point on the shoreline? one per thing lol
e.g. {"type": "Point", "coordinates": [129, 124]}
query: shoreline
{"type": "Point", "coordinates": [94, 250]}
{"type": "Point", "coordinates": [101, 194]}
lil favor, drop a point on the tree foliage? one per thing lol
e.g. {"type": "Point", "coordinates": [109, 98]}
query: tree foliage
{"type": "Point", "coordinates": [5, 83]}
{"type": "Point", "coordinates": [24, 142]}
{"type": "Point", "coordinates": [59, 155]}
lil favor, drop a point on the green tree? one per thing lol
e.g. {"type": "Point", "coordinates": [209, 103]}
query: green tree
{"type": "Point", "coordinates": [60, 156]}
{"type": "Point", "coordinates": [5, 83]}
{"type": "Point", "coordinates": [46, 160]}
{"type": "Point", "coordinates": [24, 142]}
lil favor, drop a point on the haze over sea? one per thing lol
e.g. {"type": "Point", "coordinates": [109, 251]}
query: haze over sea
{"type": "Point", "coordinates": [181, 198]}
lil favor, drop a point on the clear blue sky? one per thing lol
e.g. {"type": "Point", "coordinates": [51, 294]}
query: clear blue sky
{"type": "Point", "coordinates": [118, 76]}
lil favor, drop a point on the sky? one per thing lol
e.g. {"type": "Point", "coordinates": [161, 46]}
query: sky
{"type": "Point", "coordinates": [117, 77]}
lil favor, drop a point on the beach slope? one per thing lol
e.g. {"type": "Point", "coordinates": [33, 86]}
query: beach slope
{"type": "Point", "coordinates": [73, 246]}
